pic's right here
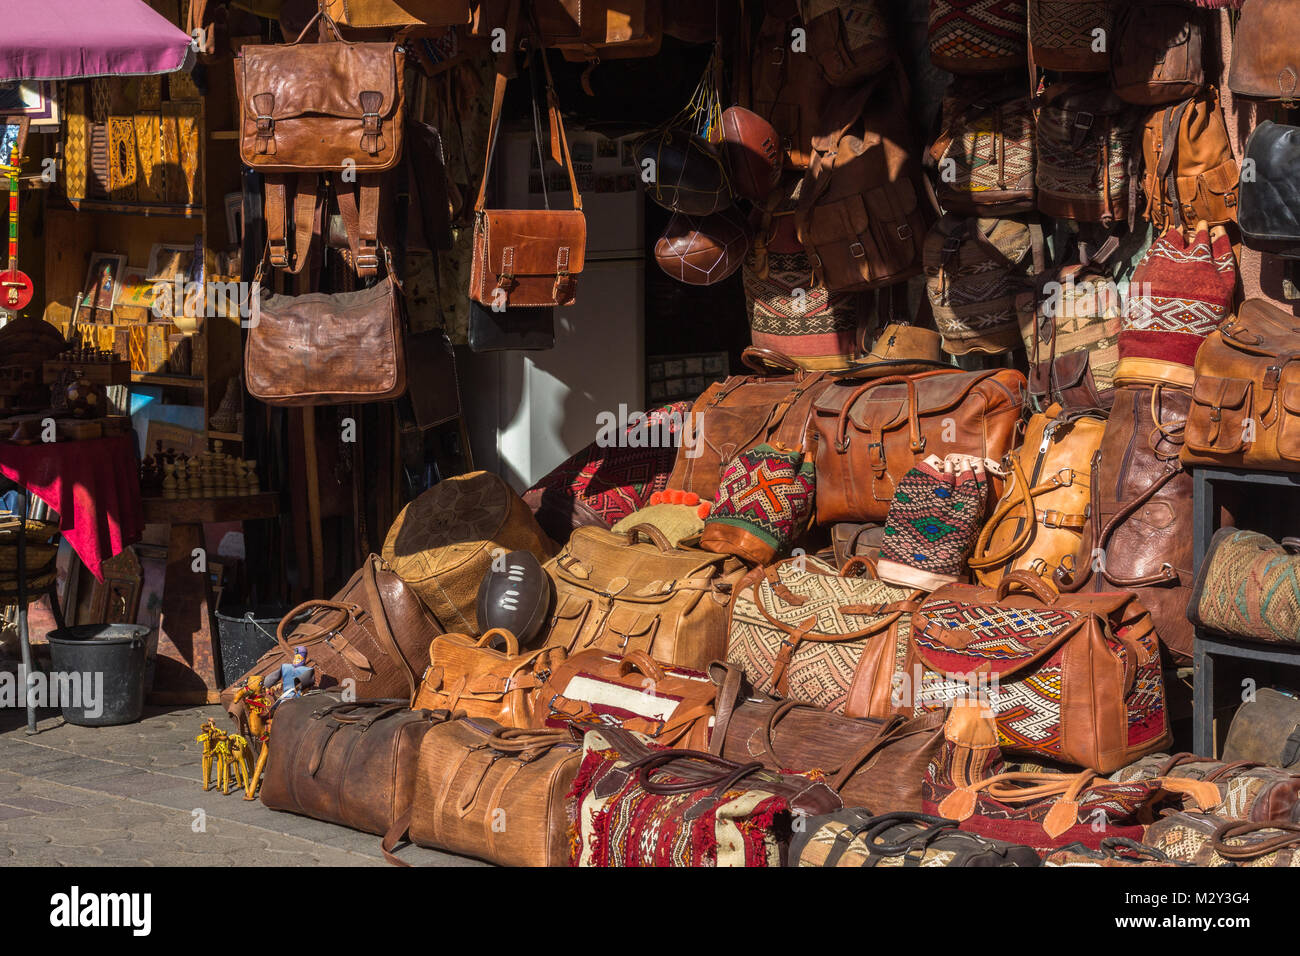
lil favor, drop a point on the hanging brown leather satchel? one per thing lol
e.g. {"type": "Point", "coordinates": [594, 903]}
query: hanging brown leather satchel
{"type": "Point", "coordinates": [527, 257]}
{"type": "Point", "coordinates": [1266, 50]}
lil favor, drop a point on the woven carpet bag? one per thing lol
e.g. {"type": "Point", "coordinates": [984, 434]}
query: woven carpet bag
{"type": "Point", "coordinates": [978, 36]}
{"type": "Point", "coordinates": [442, 543]}
{"type": "Point", "coordinates": [1249, 587]}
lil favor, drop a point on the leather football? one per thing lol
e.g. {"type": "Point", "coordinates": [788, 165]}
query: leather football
{"type": "Point", "coordinates": [515, 595]}
{"type": "Point", "coordinates": [703, 250]}
{"type": "Point", "coordinates": [752, 150]}
{"type": "Point", "coordinates": [686, 174]}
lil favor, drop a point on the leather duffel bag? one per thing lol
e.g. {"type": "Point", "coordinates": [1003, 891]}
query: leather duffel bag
{"type": "Point", "coordinates": [1139, 530]}
{"type": "Point", "coordinates": [350, 763]}
{"type": "Point", "coordinates": [1246, 587]}
{"type": "Point", "coordinates": [870, 762]}
{"type": "Point", "coordinates": [869, 435]}
{"type": "Point", "coordinates": [1246, 397]}
{"type": "Point", "coordinates": [1266, 730]}
{"type": "Point", "coordinates": [1247, 791]}
{"type": "Point", "coordinates": [443, 542]}
{"type": "Point", "coordinates": [374, 633]}
{"type": "Point", "coordinates": [854, 837]}
{"type": "Point", "coordinates": [743, 411]}
{"type": "Point", "coordinates": [1038, 524]}
{"type": "Point", "coordinates": [470, 675]}
{"type": "Point", "coordinates": [674, 706]}
{"type": "Point", "coordinates": [1071, 678]}
{"type": "Point", "coordinates": [1205, 839]}
{"type": "Point", "coordinates": [616, 593]}
{"type": "Point", "coordinates": [801, 630]}
{"type": "Point", "coordinates": [491, 792]}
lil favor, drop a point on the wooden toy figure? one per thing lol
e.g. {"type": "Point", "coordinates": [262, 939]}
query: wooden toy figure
{"type": "Point", "coordinates": [223, 764]}
{"type": "Point", "coordinates": [259, 702]}
{"type": "Point", "coordinates": [209, 735]}
{"type": "Point", "coordinates": [239, 760]}
{"type": "Point", "coordinates": [297, 677]}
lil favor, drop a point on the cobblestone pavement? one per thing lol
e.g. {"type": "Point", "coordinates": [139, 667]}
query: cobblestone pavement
{"type": "Point", "coordinates": [132, 796]}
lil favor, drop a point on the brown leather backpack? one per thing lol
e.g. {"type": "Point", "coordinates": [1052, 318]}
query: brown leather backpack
{"type": "Point", "coordinates": [859, 216]}
{"type": "Point", "coordinates": [1159, 54]}
{"type": "Point", "coordinates": [343, 114]}
{"type": "Point", "coordinates": [786, 89]}
{"type": "Point", "coordinates": [1191, 174]}
{"type": "Point", "coordinates": [849, 38]}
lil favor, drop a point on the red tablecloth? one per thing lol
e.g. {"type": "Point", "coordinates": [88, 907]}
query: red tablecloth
{"type": "Point", "coordinates": [94, 485]}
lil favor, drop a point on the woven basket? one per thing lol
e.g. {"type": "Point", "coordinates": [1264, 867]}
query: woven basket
{"type": "Point", "coordinates": [42, 550]}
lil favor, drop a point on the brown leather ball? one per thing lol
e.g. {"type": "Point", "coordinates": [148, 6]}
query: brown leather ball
{"type": "Point", "coordinates": [703, 250]}
{"type": "Point", "coordinates": [687, 172]}
{"type": "Point", "coordinates": [752, 149]}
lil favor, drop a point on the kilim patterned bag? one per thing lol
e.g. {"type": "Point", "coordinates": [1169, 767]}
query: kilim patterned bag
{"type": "Point", "coordinates": [1247, 791]}
{"type": "Point", "coordinates": [636, 804]}
{"type": "Point", "coordinates": [974, 269]}
{"type": "Point", "coordinates": [856, 838]}
{"type": "Point", "coordinates": [602, 485]}
{"type": "Point", "coordinates": [1207, 840]}
{"type": "Point", "coordinates": [1073, 678]}
{"type": "Point", "coordinates": [801, 630]}
{"type": "Point", "coordinates": [1070, 35]}
{"type": "Point", "coordinates": [1088, 151]}
{"type": "Point", "coordinates": [985, 154]}
{"type": "Point", "coordinates": [967, 782]}
{"type": "Point", "coordinates": [765, 499]}
{"type": "Point", "coordinates": [1248, 586]}
{"type": "Point", "coordinates": [977, 36]}
{"type": "Point", "coordinates": [1114, 851]}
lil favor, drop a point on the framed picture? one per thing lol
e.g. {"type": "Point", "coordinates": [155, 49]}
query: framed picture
{"type": "Point", "coordinates": [34, 99]}
{"type": "Point", "coordinates": [13, 138]}
{"type": "Point", "coordinates": [135, 296]}
{"type": "Point", "coordinates": [102, 279]}
{"type": "Point", "coordinates": [168, 260]}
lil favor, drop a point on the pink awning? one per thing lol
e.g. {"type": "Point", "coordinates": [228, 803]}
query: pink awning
{"type": "Point", "coordinates": [65, 39]}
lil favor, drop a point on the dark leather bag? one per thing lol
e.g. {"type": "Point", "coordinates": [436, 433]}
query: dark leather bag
{"type": "Point", "coordinates": [375, 631]}
{"type": "Point", "coordinates": [1266, 730]}
{"type": "Point", "coordinates": [320, 349]}
{"type": "Point", "coordinates": [1159, 54]}
{"type": "Point", "coordinates": [524, 329]}
{"type": "Point", "coordinates": [1138, 534]}
{"type": "Point", "coordinates": [869, 435]}
{"type": "Point", "coordinates": [350, 763]}
{"type": "Point", "coordinates": [856, 838]}
{"type": "Point", "coordinates": [1269, 214]}
{"type": "Point", "coordinates": [1266, 50]}
{"type": "Point", "coordinates": [435, 392]}
{"type": "Point", "coordinates": [527, 257]}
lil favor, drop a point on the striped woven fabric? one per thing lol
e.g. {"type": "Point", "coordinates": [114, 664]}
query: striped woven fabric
{"type": "Point", "coordinates": [976, 36]}
{"type": "Point", "coordinates": [1248, 587]}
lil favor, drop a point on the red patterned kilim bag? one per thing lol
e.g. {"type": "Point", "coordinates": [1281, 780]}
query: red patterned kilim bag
{"type": "Point", "coordinates": [606, 484]}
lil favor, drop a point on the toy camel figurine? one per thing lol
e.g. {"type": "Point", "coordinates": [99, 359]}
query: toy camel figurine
{"type": "Point", "coordinates": [237, 768]}
{"type": "Point", "coordinates": [209, 735]}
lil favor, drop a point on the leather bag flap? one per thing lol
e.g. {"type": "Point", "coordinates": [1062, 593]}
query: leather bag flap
{"type": "Point", "coordinates": [1220, 392]}
{"type": "Point", "coordinates": [319, 78]}
{"type": "Point", "coordinates": [536, 242]}
{"type": "Point", "coordinates": [630, 622]}
{"type": "Point", "coordinates": [886, 406]}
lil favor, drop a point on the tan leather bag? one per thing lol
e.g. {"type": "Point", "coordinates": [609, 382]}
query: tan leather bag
{"type": "Point", "coordinates": [1266, 50]}
{"type": "Point", "coordinates": [473, 776]}
{"type": "Point", "coordinates": [369, 14]}
{"type": "Point", "coordinates": [869, 435]}
{"type": "Point", "coordinates": [1191, 175]}
{"type": "Point", "coordinates": [470, 675]}
{"type": "Point", "coordinates": [1038, 524]}
{"type": "Point", "coordinates": [619, 594]}
{"type": "Point", "coordinates": [1246, 397]}
{"type": "Point", "coordinates": [320, 349]}
{"type": "Point", "coordinates": [527, 257]}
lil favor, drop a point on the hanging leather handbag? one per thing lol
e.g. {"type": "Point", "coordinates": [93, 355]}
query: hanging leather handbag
{"type": "Point", "coordinates": [850, 39]}
{"type": "Point", "coordinates": [743, 411]}
{"type": "Point", "coordinates": [491, 792]}
{"type": "Point", "coordinates": [1159, 53]}
{"type": "Point", "coordinates": [674, 706]}
{"type": "Point", "coordinates": [869, 762]}
{"type": "Point", "coordinates": [857, 838]}
{"type": "Point", "coordinates": [521, 329]}
{"type": "Point", "coordinates": [786, 89]}
{"type": "Point", "coordinates": [801, 630]}
{"type": "Point", "coordinates": [472, 676]}
{"type": "Point", "coordinates": [636, 804]}
{"type": "Point", "coordinates": [395, 14]}
{"type": "Point", "coordinates": [328, 349]}
{"type": "Point", "coordinates": [1266, 50]}
{"type": "Point", "coordinates": [350, 763]}
{"type": "Point", "coordinates": [1191, 174]}
{"type": "Point", "coordinates": [375, 632]}
{"type": "Point", "coordinates": [1138, 536]}
{"type": "Point", "coordinates": [1247, 791]}
{"type": "Point", "coordinates": [1246, 587]}
{"type": "Point", "coordinates": [870, 434]}
{"type": "Point", "coordinates": [1269, 213]}
{"type": "Point", "coordinates": [527, 257]}
{"type": "Point", "coordinates": [986, 152]}
{"type": "Point", "coordinates": [1246, 398]}
{"type": "Point", "coordinates": [1038, 524]}
{"type": "Point", "coordinates": [617, 593]}
{"type": "Point", "coordinates": [1266, 730]}
{"type": "Point", "coordinates": [1072, 678]}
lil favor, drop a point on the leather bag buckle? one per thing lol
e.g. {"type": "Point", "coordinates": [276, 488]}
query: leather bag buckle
{"type": "Point", "coordinates": [1272, 375]}
{"type": "Point", "coordinates": [857, 250]}
{"type": "Point", "coordinates": [1052, 519]}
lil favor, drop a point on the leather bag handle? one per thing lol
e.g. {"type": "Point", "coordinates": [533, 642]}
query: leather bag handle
{"type": "Point", "coordinates": [1289, 836]}
{"type": "Point", "coordinates": [913, 420]}
{"type": "Point", "coordinates": [800, 634]}
{"type": "Point", "coordinates": [1027, 579]}
{"type": "Point", "coordinates": [1024, 499]}
{"type": "Point", "coordinates": [643, 663]}
{"type": "Point", "coordinates": [727, 777]}
{"type": "Point", "coordinates": [651, 532]}
{"type": "Point", "coordinates": [763, 361]}
{"type": "Point", "coordinates": [511, 642]}
{"type": "Point", "coordinates": [526, 740]}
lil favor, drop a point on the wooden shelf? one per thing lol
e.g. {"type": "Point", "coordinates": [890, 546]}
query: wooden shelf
{"type": "Point", "coordinates": [173, 381]}
{"type": "Point", "coordinates": [227, 134]}
{"type": "Point", "coordinates": [264, 504]}
{"type": "Point", "coordinates": [172, 210]}
{"type": "Point", "coordinates": [225, 436]}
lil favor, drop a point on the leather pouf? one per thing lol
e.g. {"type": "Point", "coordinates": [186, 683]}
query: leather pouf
{"type": "Point", "coordinates": [442, 543]}
{"type": "Point", "coordinates": [752, 148]}
{"type": "Point", "coordinates": [705, 250]}
{"type": "Point", "coordinates": [687, 174]}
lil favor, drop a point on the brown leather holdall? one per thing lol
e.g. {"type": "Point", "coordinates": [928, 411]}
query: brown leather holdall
{"type": "Point", "coordinates": [1246, 398]}
{"type": "Point", "coordinates": [320, 349]}
{"type": "Point", "coordinates": [350, 763]}
{"type": "Point", "coordinates": [375, 632]}
{"type": "Point", "coordinates": [870, 434]}
{"type": "Point", "coordinates": [1266, 730]}
{"type": "Point", "coordinates": [527, 257]}
{"type": "Point", "coordinates": [491, 792]}
{"type": "Point", "coordinates": [734, 415]}
{"type": "Point", "coordinates": [470, 675]}
{"type": "Point", "coordinates": [617, 593]}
